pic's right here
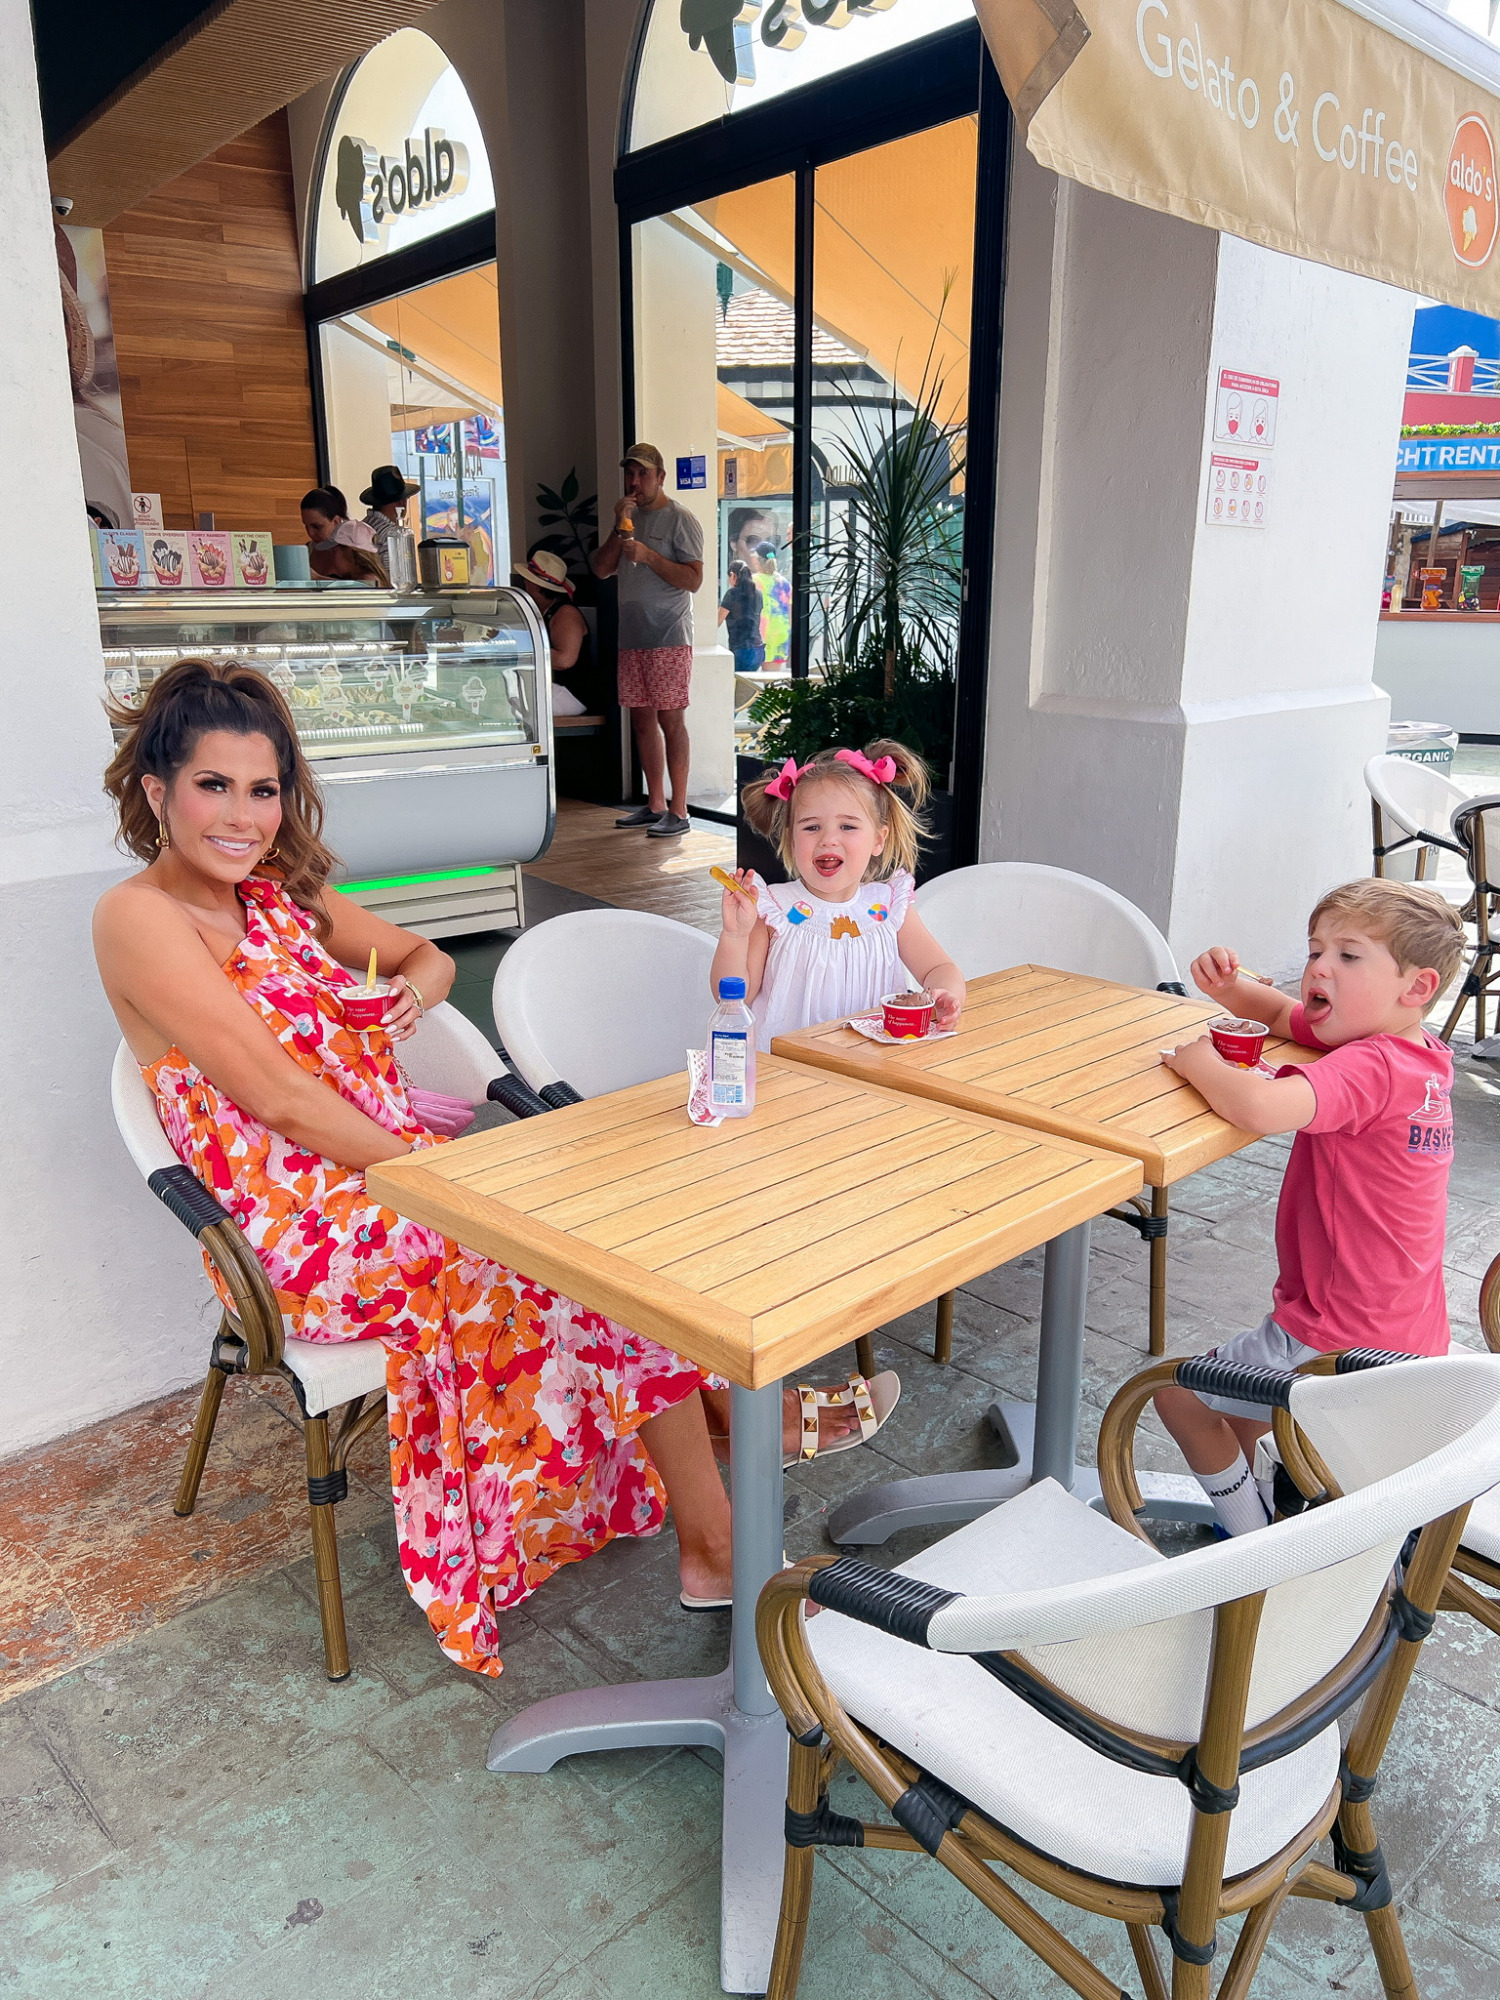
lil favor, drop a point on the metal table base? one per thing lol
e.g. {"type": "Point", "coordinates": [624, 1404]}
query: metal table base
{"type": "Point", "coordinates": [1043, 1435]}
{"type": "Point", "coordinates": [733, 1712]}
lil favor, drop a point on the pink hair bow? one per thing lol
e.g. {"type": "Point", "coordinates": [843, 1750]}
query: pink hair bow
{"type": "Point", "coordinates": [880, 772]}
{"type": "Point", "coordinates": [780, 787]}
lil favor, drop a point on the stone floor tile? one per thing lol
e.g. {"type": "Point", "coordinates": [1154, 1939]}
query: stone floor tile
{"type": "Point", "coordinates": [279, 1855]}
{"type": "Point", "coordinates": [1460, 1886]}
{"type": "Point", "coordinates": [48, 1833]}
{"type": "Point", "coordinates": [1466, 1657]}
{"type": "Point", "coordinates": [446, 1930]}
{"type": "Point", "coordinates": [200, 1708]}
{"type": "Point", "coordinates": [669, 1949]}
{"type": "Point", "coordinates": [1444, 1965]}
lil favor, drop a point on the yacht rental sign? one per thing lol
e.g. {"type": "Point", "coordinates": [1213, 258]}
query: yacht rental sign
{"type": "Point", "coordinates": [1300, 124]}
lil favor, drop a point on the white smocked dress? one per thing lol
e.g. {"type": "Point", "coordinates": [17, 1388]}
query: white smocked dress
{"type": "Point", "coordinates": [828, 959]}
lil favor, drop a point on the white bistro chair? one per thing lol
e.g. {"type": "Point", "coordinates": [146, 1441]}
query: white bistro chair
{"type": "Point", "coordinates": [446, 1054]}
{"type": "Point", "coordinates": [1411, 810]}
{"type": "Point", "coordinates": [1150, 1741]}
{"type": "Point", "coordinates": [1004, 913]}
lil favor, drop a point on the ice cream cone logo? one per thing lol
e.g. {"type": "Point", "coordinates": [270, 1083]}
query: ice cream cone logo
{"type": "Point", "coordinates": [1470, 193]}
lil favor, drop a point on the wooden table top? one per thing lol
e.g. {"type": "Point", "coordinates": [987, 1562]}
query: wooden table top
{"type": "Point", "coordinates": [756, 1246]}
{"type": "Point", "coordinates": [1061, 1053]}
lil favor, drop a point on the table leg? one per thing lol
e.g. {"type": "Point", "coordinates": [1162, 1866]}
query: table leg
{"type": "Point", "coordinates": [733, 1712]}
{"type": "Point", "coordinates": [1044, 1435]}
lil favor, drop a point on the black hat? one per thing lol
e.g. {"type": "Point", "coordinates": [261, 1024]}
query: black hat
{"type": "Point", "coordinates": [387, 483]}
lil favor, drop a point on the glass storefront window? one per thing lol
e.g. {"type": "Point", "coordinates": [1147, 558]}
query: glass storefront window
{"type": "Point", "coordinates": [414, 381]}
{"type": "Point", "coordinates": [403, 157]}
{"type": "Point", "coordinates": [750, 53]}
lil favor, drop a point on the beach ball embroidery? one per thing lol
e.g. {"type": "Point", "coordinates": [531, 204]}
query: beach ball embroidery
{"type": "Point", "coordinates": [880, 912]}
{"type": "Point", "coordinates": [799, 913]}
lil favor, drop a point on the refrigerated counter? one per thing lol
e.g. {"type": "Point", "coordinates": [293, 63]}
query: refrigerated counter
{"type": "Point", "coordinates": [426, 717]}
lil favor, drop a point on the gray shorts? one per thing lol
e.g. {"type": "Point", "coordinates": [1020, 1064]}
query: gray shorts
{"type": "Point", "coordinates": [1263, 1346]}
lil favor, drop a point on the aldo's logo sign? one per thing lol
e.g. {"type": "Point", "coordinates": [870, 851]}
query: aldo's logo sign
{"type": "Point", "coordinates": [369, 188]}
{"type": "Point", "coordinates": [1470, 194]}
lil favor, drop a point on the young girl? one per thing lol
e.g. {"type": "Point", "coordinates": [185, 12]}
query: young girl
{"type": "Point", "coordinates": [842, 934]}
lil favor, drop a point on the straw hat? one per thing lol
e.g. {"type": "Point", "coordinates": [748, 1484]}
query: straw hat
{"type": "Point", "coordinates": [547, 571]}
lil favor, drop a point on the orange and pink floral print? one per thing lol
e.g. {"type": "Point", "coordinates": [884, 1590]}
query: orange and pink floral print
{"type": "Point", "coordinates": [514, 1412]}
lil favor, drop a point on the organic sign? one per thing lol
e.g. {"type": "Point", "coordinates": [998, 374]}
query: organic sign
{"type": "Point", "coordinates": [1294, 123]}
{"type": "Point", "coordinates": [369, 187]}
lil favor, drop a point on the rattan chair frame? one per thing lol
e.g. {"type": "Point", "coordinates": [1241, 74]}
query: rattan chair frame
{"type": "Point", "coordinates": [824, 1736]}
{"type": "Point", "coordinates": [249, 1341]}
{"type": "Point", "coordinates": [1482, 980]}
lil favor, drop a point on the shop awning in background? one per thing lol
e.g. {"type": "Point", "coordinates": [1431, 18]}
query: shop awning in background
{"type": "Point", "coordinates": [1357, 133]}
{"type": "Point", "coordinates": [740, 422]}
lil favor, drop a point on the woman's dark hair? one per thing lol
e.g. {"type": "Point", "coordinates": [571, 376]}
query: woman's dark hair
{"type": "Point", "coordinates": [326, 500]}
{"type": "Point", "coordinates": [738, 569]}
{"type": "Point", "coordinates": [185, 703]}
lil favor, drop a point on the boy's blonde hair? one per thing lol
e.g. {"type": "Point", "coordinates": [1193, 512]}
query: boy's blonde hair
{"type": "Point", "coordinates": [905, 828]}
{"type": "Point", "coordinates": [1419, 928]}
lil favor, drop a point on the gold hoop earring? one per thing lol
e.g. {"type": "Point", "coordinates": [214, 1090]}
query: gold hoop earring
{"type": "Point", "coordinates": [163, 838]}
{"type": "Point", "coordinates": [272, 853]}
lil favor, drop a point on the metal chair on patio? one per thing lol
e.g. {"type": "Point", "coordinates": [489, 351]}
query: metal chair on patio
{"type": "Point", "coordinates": [343, 1378]}
{"type": "Point", "coordinates": [1150, 1741]}
{"type": "Point", "coordinates": [1407, 802]}
{"type": "Point", "coordinates": [1476, 832]}
{"type": "Point", "coordinates": [1004, 913]}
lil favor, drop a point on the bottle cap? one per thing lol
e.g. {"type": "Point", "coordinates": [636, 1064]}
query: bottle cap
{"type": "Point", "coordinates": [731, 989]}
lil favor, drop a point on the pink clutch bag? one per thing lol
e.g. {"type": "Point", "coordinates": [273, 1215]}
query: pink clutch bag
{"type": "Point", "coordinates": [447, 1116]}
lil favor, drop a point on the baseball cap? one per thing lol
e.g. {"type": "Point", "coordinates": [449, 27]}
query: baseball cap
{"type": "Point", "coordinates": [647, 455]}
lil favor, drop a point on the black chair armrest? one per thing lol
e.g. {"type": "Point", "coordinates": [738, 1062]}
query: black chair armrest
{"type": "Point", "coordinates": [516, 1096]}
{"type": "Point", "coordinates": [1211, 1377]}
{"type": "Point", "coordinates": [558, 1094]}
{"type": "Point", "coordinates": [900, 1605]}
{"type": "Point", "coordinates": [180, 1190]}
{"type": "Point", "coordinates": [1172, 986]}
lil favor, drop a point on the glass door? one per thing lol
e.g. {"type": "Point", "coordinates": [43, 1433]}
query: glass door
{"type": "Point", "coordinates": [893, 260]}
{"type": "Point", "coordinates": [714, 341]}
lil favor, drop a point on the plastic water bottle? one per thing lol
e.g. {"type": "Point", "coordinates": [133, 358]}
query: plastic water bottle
{"type": "Point", "coordinates": [731, 1053]}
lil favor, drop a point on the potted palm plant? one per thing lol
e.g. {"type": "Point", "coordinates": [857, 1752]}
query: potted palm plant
{"type": "Point", "coordinates": [887, 585]}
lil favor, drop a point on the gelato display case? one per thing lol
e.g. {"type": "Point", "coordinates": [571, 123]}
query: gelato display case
{"type": "Point", "coordinates": [425, 715]}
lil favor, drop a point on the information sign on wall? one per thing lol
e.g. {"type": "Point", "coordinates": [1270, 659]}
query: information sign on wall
{"type": "Point", "coordinates": [692, 474]}
{"type": "Point", "coordinates": [1245, 408]}
{"type": "Point", "coordinates": [1239, 490]}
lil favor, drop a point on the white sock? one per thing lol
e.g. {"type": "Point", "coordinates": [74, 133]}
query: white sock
{"type": "Point", "coordinates": [1235, 1499]}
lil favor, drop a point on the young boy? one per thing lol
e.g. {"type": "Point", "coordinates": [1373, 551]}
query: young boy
{"type": "Point", "coordinates": [1359, 1227]}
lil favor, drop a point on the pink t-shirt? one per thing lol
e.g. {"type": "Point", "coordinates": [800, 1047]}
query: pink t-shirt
{"type": "Point", "coordinates": [1359, 1228]}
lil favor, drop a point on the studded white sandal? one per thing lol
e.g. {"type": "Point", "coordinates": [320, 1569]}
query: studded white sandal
{"type": "Point", "coordinates": [873, 1399]}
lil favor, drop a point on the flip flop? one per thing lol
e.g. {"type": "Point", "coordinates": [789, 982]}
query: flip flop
{"type": "Point", "coordinates": [873, 1401]}
{"type": "Point", "coordinates": [691, 1603]}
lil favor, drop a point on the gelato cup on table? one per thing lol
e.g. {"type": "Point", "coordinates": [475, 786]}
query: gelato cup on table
{"type": "Point", "coordinates": [907, 1016]}
{"type": "Point", "coordinates": [1238, 1042]}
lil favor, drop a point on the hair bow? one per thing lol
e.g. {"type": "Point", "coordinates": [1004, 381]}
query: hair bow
{"type": "Point", "coordinates": [881, 772]}
{"type": "Point", "coordinates": [780, 787]}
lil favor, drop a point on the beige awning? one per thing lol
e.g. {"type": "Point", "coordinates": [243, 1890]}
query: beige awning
{"type": "Point", "coordinates": [1357, 133]}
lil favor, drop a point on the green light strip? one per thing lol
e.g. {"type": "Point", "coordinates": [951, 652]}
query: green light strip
{"type": "Point", "coordinates": [411, 881]}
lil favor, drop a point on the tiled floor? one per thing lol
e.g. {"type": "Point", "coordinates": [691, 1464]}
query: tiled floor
{"type": "Point", "coordinates": [191, 1812]}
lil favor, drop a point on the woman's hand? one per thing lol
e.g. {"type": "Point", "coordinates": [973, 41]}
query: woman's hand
{"type": "Point", "coordinates": [739, 913]}
{"type": "Point", "coordinates": [946, 1007]}
{"type": "Point", "coordinates": [402, 1012]}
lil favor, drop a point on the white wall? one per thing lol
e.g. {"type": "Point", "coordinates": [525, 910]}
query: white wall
{"type": "Point", "coordinates": [1182, 710]}
{"type": "Point", "coordinates": [104, 1303]}
{"type": "Point", "coordinates": [1441, 673]}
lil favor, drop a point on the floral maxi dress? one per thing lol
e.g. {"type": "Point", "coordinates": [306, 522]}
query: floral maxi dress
{"type": "Point", "coordinates": [514, 1412]}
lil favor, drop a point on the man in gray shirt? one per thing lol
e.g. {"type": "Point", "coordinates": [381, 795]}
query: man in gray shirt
{"type": "Point", "coordinates": [656, 551]}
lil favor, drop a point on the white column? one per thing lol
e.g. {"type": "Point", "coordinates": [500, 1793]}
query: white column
{"type": "Point", "coordinates": [104, 1303]}
{"type": "Point", "coordinates": [1178, 709]}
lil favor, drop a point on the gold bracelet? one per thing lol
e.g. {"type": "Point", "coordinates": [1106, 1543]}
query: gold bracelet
{"type": "Point", "coordinates": [415, 993]}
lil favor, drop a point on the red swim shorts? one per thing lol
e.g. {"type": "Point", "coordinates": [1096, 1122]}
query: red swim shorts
{"type": "Point", "coordinates": [655, 676]}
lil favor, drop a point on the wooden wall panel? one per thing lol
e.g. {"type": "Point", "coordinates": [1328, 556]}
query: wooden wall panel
{"type": "Point", "coordinates": [206, 292]}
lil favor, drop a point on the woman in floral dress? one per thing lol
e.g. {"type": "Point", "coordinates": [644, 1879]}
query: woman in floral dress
{"type": "Point", "coordinates": [526, 1432]}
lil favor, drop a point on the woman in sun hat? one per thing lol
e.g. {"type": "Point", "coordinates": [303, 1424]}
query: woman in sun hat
{"type": "Point", "coordinates": [544, 578]}
{"type": "Point", "coordinates": [386, 497]}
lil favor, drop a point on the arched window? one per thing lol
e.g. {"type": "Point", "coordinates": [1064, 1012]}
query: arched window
{"type": "Point", "coordinates": [403, 298]}
{"type": "Point", "coordinates": [709, 58]}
